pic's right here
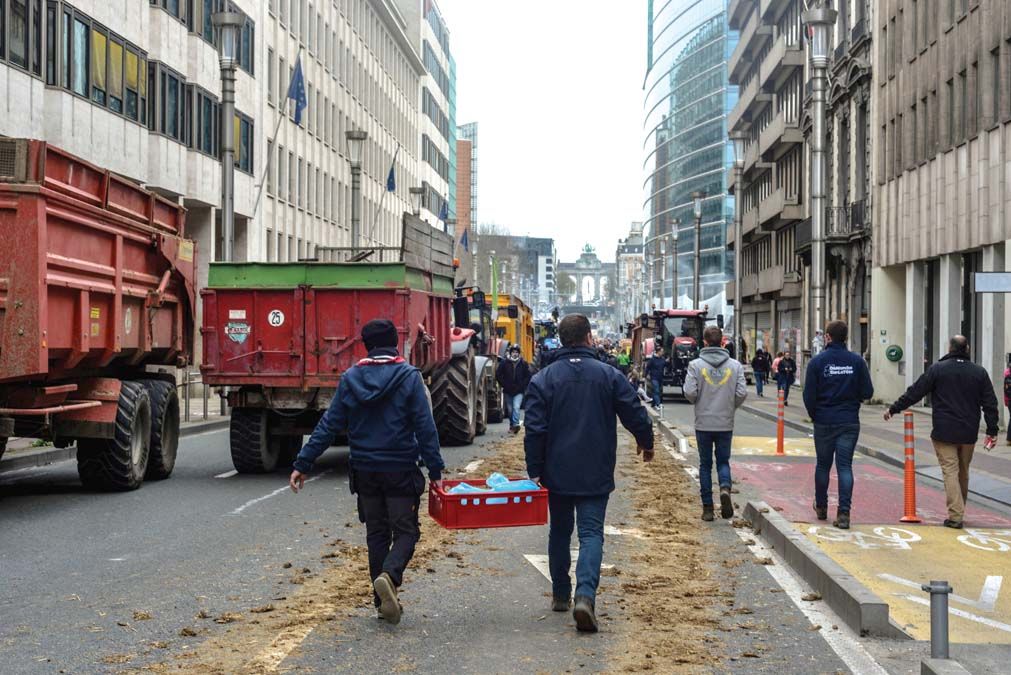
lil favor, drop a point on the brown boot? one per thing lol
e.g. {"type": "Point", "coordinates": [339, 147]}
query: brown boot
{"type": "Point", "coordinates": [821, 512]}
{"type": "Point", "coordinates": [389, 608]}
{"type": "Point", "coordinates": [726, 503]}
{"type": "Point", "coordinates": [707, 513]}
{"type": "Point", "coordinates": [842, 520]}
{"type": "Point", "coordinates": [583, 613]}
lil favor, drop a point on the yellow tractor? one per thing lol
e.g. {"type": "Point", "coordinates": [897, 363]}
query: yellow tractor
{"type": "Point", "coordinates": [515, 324]}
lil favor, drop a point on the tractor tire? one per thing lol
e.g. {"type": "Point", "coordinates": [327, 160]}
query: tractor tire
{"type": "Point", "coordinates": [3, 446]}
{"type": "Point", "coordinates": [119, 463]}
{"type": "Point", "coordinates": [481, 427]}
{"type": "Point", "coordinates": [453, 401]}
{"type": "Point", "coordinates": [249, 437]}
{"type": "Point", "coordinates": [495, 406]}
{"type": "Point", "coordinates": [164, 428]}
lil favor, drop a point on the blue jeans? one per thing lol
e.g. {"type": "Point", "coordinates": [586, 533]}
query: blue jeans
{"type": "Point", "coordinates": [657, 393]}
{"type": "Point", "coordinates": [784, 384]}
{"type": "Point", "coordinates": [835, 441]}
{"type": "Point", "coordinates": [759, 382]}
{"type": "Point", "coordinates": [710, 443]}
{"type": "Point", "coordinates": [514, 405]}
{"type": "Point", "coordinates": [589, 515]}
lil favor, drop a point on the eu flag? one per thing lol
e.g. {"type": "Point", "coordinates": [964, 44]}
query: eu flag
{"type": "Point", "coordinates": [463, 241]}
{"type": "Point", "coordinates": [296, 90]}
{"type": "Point", "coordinates": [391, 180]}
{"type": "Point", "coordinates": [444, 211]}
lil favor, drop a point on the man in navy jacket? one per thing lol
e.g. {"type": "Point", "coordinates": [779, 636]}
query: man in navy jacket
{"type": "Point", "coordinates": [655, 366]}
{"type": "Point", "coordinates": [383, 405]}
{"type": "Point", "coordinates": [836, 383]}
{"type": "Point", "coordinates": [571, 447]}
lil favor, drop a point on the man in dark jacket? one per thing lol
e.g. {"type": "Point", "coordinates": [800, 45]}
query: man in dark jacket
{"type": "Point", "coordinates": [785, 375]}
{"type": "Point", "coordinates": [958, 389]}
{"type": "Point", "coordinates": [513, 375]}
{"type": "Point", "coordinates": [655, 366]}
{"type": "Point", "coordinates": [837, 381]}
{"type": "Point", "coordinates": [761, 365]}
{"type": "Point", "coordinates": [383, 405]}
{"type": "Point", "coordinates": [571, 447]}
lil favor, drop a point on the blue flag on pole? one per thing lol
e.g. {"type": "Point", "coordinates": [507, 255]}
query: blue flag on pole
{"type": "Point", "coordinates": [296, 90]}
{"type": "Point", "coordinates": [391, 180]}
{"type": "Point", "coordinates": [444, 211]}
{"type": "Point", "coordinates": [463, 241]}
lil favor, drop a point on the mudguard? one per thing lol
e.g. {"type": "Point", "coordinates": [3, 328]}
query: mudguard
{"type": "Point", "coordinates": [461, 337]}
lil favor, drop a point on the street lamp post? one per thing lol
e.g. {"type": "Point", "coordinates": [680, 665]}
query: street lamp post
{"type": "Point", "coordinates": [356, 141]}
{"type": "Point", "coordinates": [228, 25]}
{"type": "Point", "coordinates": [819, 20]}
{"type": "Point", "coordinates": [417, 193]}
{"type": "Point", "coordinates": [697, 198]}
{"type": "Point", "coordinates": [675, 225]}
{"type": "Point", "coordinates": [738, 139]}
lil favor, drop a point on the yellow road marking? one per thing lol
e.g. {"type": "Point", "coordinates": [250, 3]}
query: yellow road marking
{"type": "Point", "coordinates": [893, 561]}
{"type": "Point", "coordinates": [762, 445]}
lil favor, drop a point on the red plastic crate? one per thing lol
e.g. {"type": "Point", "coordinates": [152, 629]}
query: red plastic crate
{"type": "Point", "coordinates": [492, 509]}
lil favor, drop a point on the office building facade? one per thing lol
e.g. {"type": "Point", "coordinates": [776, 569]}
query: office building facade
{"type": "Point", "coordinates": [687, 98]}
{"type": "Point", "coordinates": [630, 275]}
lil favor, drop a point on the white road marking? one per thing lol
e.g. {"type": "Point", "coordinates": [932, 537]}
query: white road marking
{"type": "Point", "coordinates": [627, 532]}
{"type": "Point", "coordinates": [284, 644]}
{"type": "Point", "coordinates": [472, 467]}
{"type": "Point", "coordinates": [227, 474]}
{"type": "Point", "coordinates": [276, 492]}
{"type": "Point", "coordinates": [540, 563]}
{"type": "Point", "coordinates": [987, 596]}
{"type": "Point", "coordinates": [962, 613]}
{"type": "Point", "coordinates": [116, 559]}
{"type": "Point", "coordinates": [844, 642]}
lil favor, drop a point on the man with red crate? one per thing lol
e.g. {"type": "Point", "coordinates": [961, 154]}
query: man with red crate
{"type": "Point", "coordinates": [571, 447]}
{"type": "Point", "coordinates": [383, 406]}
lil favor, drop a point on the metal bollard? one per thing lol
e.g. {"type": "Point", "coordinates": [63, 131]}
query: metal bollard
{"type": "Point", "coordinates": [186, 394]}
{"type": "Point", "coordinates": [909, 478]}
{"type": "Point", "coordinates": [203, 387]}
{"type": "Point", "coordinates": [780, 423]}
{"type": "Point", "coordinates": [939, 591]}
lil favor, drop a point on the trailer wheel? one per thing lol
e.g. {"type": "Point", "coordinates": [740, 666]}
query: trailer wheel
{"type": "Point", "coordinates": [119, 463]}
{"type": "Point", "coordinates": [453, 394]}
{"type": "Point", "coordinates": [252, 451]}
{"type": "Point", "coordinates": [164, 428]}
{"type": "Point", "coordinates": [481, 425]}
{"type": "Point", "coordinates": [494, 406]}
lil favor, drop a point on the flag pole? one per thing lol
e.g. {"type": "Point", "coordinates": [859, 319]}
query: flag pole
{"type": "Point", "coordinates": [382, 198]}
{"type": "Point", "coordinates": [281, 112]}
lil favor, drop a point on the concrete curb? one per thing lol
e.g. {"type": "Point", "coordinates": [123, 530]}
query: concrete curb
{"type": "Point", "coordinates": [44, 456]}
{"type": "Point", "coordinates": [942, 667]}
{"type": "Point", "coordinates": [864, 449]}
{"type": "Point", "coordinates": [862, 610]}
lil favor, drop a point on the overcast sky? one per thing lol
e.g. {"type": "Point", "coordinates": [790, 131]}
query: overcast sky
{"type": "Point", "coordinates": [556, 89]}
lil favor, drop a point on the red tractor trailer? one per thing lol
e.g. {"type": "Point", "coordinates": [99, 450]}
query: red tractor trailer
{"type": "Point", "coordinates": [96, 312]}
{"type": "Point", "coordinates": [279, 336]}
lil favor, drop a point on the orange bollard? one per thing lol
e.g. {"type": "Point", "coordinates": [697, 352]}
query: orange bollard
{"type": "Point", "coordinates": [909, 490]}
{"type": "Point", "coordinates": [780, 424]}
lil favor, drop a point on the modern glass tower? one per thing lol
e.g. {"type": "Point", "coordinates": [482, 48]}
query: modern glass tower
{"type": "Point", "coordinates": [687, 99]}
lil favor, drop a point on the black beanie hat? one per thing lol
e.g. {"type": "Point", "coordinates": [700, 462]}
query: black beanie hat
{"type": "Point", "coordinates": [379, 333]}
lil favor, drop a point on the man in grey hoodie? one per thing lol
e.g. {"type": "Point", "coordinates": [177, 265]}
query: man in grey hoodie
{"type": "Point", "coordinates": [715, 384]}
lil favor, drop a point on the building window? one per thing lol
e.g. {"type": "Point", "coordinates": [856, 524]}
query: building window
{"type": "Point", "coordinates": [270, 171]}
{"type": "Point", "coordinates": [81, 47]}
{"type": "Point", "coordinates": [176, 8]}
{"type": "Point", "coordinates": [243, 131]}
{"type": "Point", "coordinates": [282, 173]}
{"type": "Point", "coordinates": [270, 76]}
{"type": "Point", "coordinates": [202, 113]}
{"type": "Point", "coordinates": [51, 29]}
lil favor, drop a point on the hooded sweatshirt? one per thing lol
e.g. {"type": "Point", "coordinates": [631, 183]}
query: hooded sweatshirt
{"type": "Point", "coordinates": [383, 405]}
{"type": "Point", "coordinates": [715, 384]}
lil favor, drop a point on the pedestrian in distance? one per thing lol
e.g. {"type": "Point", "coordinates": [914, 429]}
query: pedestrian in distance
{"type": "Point", "coordinates": [786, 373]}
{"type": "Point", "coordinates": [1007, 394]}
{"type": "Point", "coordinates": [383, 407]}
{"type": "Point", "coordinates": [716, 386]}
{"type": "Point", "coordinates": [761, 366]}
{"type": "Point", "coordinates": [959, 390]}
{"type": "Point", "coordinates": [624, 362]}
{"type": "Point", "coordinates": [513, 375]}
{"type": "Point", "coordinates": [571, 446]}
{"type": "Point", "coordinates": [655, 367]}
{"type": "Point", "coordinates": [775, 364]}
{"type": "Point", "coordinates": [836, 383]}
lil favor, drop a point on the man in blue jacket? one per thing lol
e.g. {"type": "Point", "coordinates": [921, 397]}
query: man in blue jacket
{"type": "Point", "coordinates": [571, 448]}
{"type": "Point", "coordinates": [383, 406]}
{"type": "Point", "coordinates": [655, 366]}
{"type": "Point", "coordinates": [837, 381]}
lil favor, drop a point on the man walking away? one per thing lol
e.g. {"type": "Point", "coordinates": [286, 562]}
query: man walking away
{"type": "Point", "coordinates": [571, 447]}
{"type": "Point", "coordinates": [383, 406]}
{"type": "Point", "coordinates": [958, 389]}
{"type": "Point", "coordinates": [1007, 394]}
{"type": "Point", "coordinates": [715, 384]}
{"type": "Point", "coordinates": [655, 367]}
{"type": "Point", "coordinates": [785, 374]}
{"type": "Point", "coordinates": [837, 381]}
{"type": "Point", "coordinates": [761, 365]}
{"type": "Point", "coordinates": [513, 375]}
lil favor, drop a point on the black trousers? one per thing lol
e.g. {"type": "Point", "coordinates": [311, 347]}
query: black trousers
{"type": "Point", "coordinates": [388, 505]}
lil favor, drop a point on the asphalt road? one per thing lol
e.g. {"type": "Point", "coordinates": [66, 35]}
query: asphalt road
{"type": "Point", "coordinates": [82, 571]}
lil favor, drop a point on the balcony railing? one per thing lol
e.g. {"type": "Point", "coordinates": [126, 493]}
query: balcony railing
{"type": "Point", "coordinates": [859, 31]}
{"type": "Point", "coordinates": [843, 222]}
{"type": "Point", "coordinates": [802, 236]}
